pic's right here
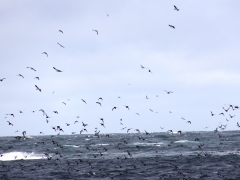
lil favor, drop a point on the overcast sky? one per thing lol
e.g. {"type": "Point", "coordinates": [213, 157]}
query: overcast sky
{"type": "Point", "coordinates": [198, 61]}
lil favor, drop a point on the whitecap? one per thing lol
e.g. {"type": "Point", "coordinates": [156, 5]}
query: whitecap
{"type": "Point", "coordinates": [184, 141]}
{"type": "Point", "coordinates": [12, 156]}
{"type": "Point", "coordinates": [71, 145]}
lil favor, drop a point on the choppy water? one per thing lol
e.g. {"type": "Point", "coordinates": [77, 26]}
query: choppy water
{"type": "Point", "coordinates": [122, 156]}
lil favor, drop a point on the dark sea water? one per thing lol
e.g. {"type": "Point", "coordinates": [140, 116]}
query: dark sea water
{"type": "Point", "coordinates": [122, 156]}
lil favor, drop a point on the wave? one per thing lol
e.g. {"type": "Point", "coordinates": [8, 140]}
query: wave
{"type": "Point", "coordinates": [71, 146]}
{"type": "Point", "coordinates": [100, 145]}
{"type": "Point", "coordinates": [148, 144]}
{"type": "Point", "coordinates": [12, 156]}
{"type": "Point", "coordinates": [185, 141]}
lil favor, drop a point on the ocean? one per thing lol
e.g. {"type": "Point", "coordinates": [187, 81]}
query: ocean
{"type": "Point", "coordinates": [189, 155]}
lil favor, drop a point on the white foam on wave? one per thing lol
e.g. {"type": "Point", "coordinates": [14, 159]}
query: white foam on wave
{"type": "Point", "coordinates": [12, 156]}
{"type": "Point", "coordinates": [184, 141]}
{"type": "Point", "coordinates": [100, 145]}
{"type": "Point", "coordinates": [71, 146]}
{"type": "Point", "coordinates": [147, 144]}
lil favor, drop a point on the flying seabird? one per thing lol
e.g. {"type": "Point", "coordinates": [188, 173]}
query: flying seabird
{"type": "Point", "coordinates": [83, 101]}
{"type": "Point", "coordinates": [172, 26]}
{"type": "Point", "coordinates": [57, 69]}
{"type": "Point", "coordinates": [45, 53]}
{"type": "Point", "coordinates": [226, 110]}
{"type": "Point", "coordinates": [168, 92]}
{"type": "Point", "coordinates": [2, 79]}
{"type": "Point", "coordinates": [175, 8]}
{"type": "Point", "coordinates": [150, 71]}
{"type": "Point", "coordinates": [37, 88]}
{"type": "Point", "coordinates": [20, 75]}
{"type": "Point", "coordinates": [238, 124]}
{"type": "Point", "coordinates": [129, 129]}
{"type": "Point", "coordinates": [36, 78]}
{"type": "Point", "coordinates": [212, 113]}
{"type": "Point", "coordinates": [114, 108]}
{"type": "Point", "coordinates": [60, 31]}
{"type": "Point", "coordinates": [61, 45]}
{"type": "Point", "coordinates": [10, 115]}
{"type": "Point", "coordinates": [137, 130]}
{"type": "Point", "coordinates": [99, 103]}
{"type": "Point", "coordinates": [126, 107]}
{"type": "Point", "coordinates": [95, 31]}
{"type": "Point", "coordinates": [9, 123]}
{"type": "Point", "coordinates": [102, 124]}
{"type": "Point", "coordinates": [31, 68]}
{"type": "Point", "coordinates": [84, 125]}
